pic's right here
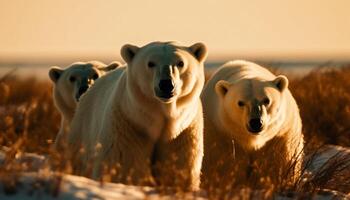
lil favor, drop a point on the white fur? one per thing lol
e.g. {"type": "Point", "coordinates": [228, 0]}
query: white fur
{"type": "Point", "coordinates": [124, 104]}
{"type": "Point", "coordinates": [279, 142]}
{"type": "Point", "coordinates": [65, 92]}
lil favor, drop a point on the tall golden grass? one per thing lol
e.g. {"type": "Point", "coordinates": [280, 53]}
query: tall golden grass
{"type": "Point", "coordinates": [29, 122]}
{"type": "Point", "coordinates": [323, 97]}
{"type": "Point", "coordinates": [27, 110]}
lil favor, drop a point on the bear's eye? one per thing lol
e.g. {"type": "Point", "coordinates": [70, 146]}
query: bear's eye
{"type": "Point", "coordinates": [180, 63]}
{"type": "Point", "coordinates": [72, 79]}
{"type": "Point", "coordinates": [266, 101]}
{"type": "Point", "coordinates": [95, 76]}
{"type": "Point", "coordinates": [151, 64]}
{"type": "Point", "coordinates": [240, 103]}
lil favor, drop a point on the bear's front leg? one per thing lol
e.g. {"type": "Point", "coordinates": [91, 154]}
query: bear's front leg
{"type": "Point", "coordinates": [177, 163]}
{"type": "Point", "coordinates": [126, 161]}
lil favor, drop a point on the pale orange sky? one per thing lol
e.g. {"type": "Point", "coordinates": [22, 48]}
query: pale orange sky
{"type": "Point", "coordinates": [253, 28]}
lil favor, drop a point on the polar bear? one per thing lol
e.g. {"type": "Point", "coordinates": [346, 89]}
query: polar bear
{"type": "Point", "coordinates": [144, 121]}
{"type": "Point", "coordinates": [70, 83]}
{"type": "Point", "coordinates": [253, 130]}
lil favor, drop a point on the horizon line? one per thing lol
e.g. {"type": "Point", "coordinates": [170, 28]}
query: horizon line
{"type": "Point", "coordinates": [68, 58]}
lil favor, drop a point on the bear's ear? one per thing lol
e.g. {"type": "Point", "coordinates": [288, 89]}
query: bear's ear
{"type": "Point", "coordinates": [55, 73]}
{"type": "Point", "coordinates": [128, 52]}
{"type": "Point", "coordinates": [281, 83]}
{"type": "Point", "coordinates": [199, 50]}
{"type": "Point", "coordinates": [111, 66]}
{"type": "Point", "coordinates": [221, 88]}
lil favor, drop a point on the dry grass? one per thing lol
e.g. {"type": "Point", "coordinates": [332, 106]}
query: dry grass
{"type": "Point", "coordinates": [27, 113]}
{"type": "Point", "coordinates": [324, 101]}
{"type": "Point", "coordinates": [29, 123]}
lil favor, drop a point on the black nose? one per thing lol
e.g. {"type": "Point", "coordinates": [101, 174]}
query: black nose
{"type": "Point", "coordinates": [166, 85]}
{"type": "Point", "coordinates": [82, 90]}
{"type": "Point", "coordinates": [255, 125]}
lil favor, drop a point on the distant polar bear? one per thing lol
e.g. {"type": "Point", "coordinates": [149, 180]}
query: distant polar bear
{"type": "Point", "coordinates": [70, 83]}
{"type": "Point", "coordinates": [144, 122]}
{"type": "Point", "coordinates": [253, 131]}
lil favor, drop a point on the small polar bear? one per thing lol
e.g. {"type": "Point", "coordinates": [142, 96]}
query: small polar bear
{"type": "Point", "coordinates": [143, 124]}
{"type": "Point", "coordinates": [72, 82]}
{"type": "Point", "coordinates": [253, 130]}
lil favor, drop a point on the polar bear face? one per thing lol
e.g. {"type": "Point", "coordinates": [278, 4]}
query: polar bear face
{"type": "Point", "coordinates": [74, 81]}
{"type": "Point", "coordinates": [165, 70]}
{"type": "Point", "coordinates": [254, 107]}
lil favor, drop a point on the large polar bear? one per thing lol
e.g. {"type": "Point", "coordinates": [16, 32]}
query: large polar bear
{"type": "Point", "coordinates": [69, 84]}
{"type": "Point", "coordinates": [144, 122]}
{"type": "Point", "coordinates": [252, 128]}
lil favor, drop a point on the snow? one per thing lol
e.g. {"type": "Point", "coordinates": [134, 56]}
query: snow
{"type": "Point", "coordinates": [324, 155]}
{"type": "Point", "coordinates": [40, 186]}
{"type": "Point", "coordinates": [45, 184]}
{"type": "Point", "coordinates": [35, 186]}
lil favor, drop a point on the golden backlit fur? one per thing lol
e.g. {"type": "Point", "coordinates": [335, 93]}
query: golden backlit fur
{"type": "Point", "coordinates": [66, 85]}
{"type": "Point", "coordinates": [234, 155]}
{"type": "Point", "coordinates": [122, 123]}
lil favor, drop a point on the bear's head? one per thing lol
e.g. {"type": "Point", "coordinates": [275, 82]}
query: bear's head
{"type": "Point", "coordinates": [165, 70]}
{"type": "Point", "coordinates": [253, 107]}
{"type": "Point", "coordinates": [74, 81]}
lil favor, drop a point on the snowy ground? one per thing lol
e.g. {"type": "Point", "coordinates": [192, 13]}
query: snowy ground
{"type": "Point", "coordinates": [44, 184]}
{"type": "Point", "coordinates": [39, 186]}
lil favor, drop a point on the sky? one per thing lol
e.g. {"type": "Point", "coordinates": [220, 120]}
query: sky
{"type": "Point", "coordinates": [75, 29]}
